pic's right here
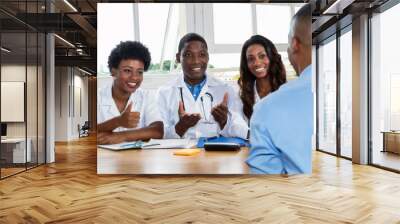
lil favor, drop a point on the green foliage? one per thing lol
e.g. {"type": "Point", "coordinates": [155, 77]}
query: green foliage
{"type": "Point", "coordinates": [154, 66]}
{"type": "Point", "coordinates": [166, 66]}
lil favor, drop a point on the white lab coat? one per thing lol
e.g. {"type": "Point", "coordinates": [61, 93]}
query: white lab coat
{"type": "Point", "coordinates": [168, 101]}
{"type": "Point", "coordinates": [142, 101]}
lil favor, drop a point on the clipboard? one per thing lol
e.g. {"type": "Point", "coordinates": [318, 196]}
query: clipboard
{"type": "Point", "coordinates": [221, 139]}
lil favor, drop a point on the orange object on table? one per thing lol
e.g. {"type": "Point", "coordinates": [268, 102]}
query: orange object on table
{"type": "Point", "coordinates": [186, 152]}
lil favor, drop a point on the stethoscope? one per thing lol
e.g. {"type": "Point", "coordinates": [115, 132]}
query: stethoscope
{"type": "Point", "coordinates": [207, 118]}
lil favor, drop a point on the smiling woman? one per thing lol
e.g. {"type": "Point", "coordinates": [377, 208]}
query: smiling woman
{"type": "Point", "coordinates": [261, 72]}
{"type": "Point", "coordinates": [126, 112]}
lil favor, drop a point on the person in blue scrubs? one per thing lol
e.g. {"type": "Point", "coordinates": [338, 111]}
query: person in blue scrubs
{"type": "Point", "coordinates": [281, 127]}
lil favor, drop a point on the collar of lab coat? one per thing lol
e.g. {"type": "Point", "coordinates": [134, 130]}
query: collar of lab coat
{"type": "Point", "coordinates": [210, 81]}
{"type": "Point", "coordinates": [109, 101]}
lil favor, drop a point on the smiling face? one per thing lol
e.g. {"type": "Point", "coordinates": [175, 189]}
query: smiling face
{"type": "Point", "coordinates": [194, 60]}
{"type": "Point", "coordinates": [257, 60]}
{"type": "Point", "coordinates": [129, 75]}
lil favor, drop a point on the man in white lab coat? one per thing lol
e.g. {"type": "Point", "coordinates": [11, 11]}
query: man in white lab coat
{"type": "Point", "coordinates": [196, 104]}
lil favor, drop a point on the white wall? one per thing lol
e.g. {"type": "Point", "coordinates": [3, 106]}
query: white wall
{"type": "Point", "coordinates": [33, 126]}
{"type": "Point", "coordinates": [80, 104]}
{"type": "Point", "coordinates": [71, 94]}
{"type": "Point", "coordinates": [61, 103]}
{"type": "Point", "coordinates": [16, 73]}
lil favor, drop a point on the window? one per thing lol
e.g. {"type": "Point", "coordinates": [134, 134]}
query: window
{"type": "Point", "coordinates": [273, 22]}
{"type": "Point", "coordinates": [224, 26]}
{"type": "Point", "coordinates": [224, 60]}
{"type": "Point", "coordinates": [327, 96]}
{"type": "Point", "coordinates": [394, 101]}
{"type": "Point", "coordinates": [269, 20]}
{"type": "Point", "coordinates": [22, 65]}
{"type": "Point", "coordinates": [115, 25]}
{"type": "Point", "coordinates": [346, 94]}
{"type": "Point", "coordinates": [232, 23]}
{"type": "Point", "coordinates": [290, 72]}
{"type": "Point", "coordinates": [385, 85]}
{"type": "Point", "coordinates": [153, 30]}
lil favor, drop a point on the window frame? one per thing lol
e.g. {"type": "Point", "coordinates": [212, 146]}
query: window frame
{"type": "Point", "coordinates": [333, 37]}
{"type": "Point", "coordinates": [209, 34]}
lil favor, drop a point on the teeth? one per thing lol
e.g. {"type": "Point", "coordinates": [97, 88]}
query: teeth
{"type": "Point", "coordinates": [132, 84]}
{"type": "Point", "coordinates": [196, 69]}
{"type": "Point", "coordinates": [259, 69]}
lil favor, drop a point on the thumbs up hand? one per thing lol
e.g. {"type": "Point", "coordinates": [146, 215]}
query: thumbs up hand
{"type": "Point", "coordinates": [186, 120]}
{"type": "Point", "coordinates": [129, 119]}
{"type": "Point", "coordinates": [220, 112]}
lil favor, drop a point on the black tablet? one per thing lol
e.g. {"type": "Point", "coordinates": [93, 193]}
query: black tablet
{"type": "Point", "coordinates": [221, 146]}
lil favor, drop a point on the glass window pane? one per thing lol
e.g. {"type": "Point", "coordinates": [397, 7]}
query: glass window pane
{"type": "Point", "coordinates": [273, 22]}
{"type": "Point", "coordinates": [31, 100]}
{"type": "Point", "coordinates": [296, 8]}
{"type": "Point", "coordinates": [394, 101]}
{"type": "Point", "coordinates": [290, 72]}
{"type": "Point", "coordinates": [152, 28]}
{"type": "Point", "coordinates": [172, 39]}
{"type": "Point", "coordinates": [115, 25]}
{"type": "Point", "coordinates": [224, 60]}
{"type": "Point", "coordinates": [327, 97]}
{"type": "Point", "coordinates": [13, 82]}
{"type": "Point", "coordinates": [385, 89]}
{"type": "Point", "coordinates": [225, 67]}
{"type": "Point", "coordinates": [228, 20]}
{"type": "Point", "coordinates": [41, 99]}
{"type": "Point", "coordinates": [346, 94]}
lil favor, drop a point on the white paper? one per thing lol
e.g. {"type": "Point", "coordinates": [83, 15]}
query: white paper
{"type": "Point", "coordinates": [169, 144]}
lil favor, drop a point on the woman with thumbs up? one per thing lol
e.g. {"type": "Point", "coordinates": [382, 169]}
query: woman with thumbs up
{"type": "Point", "coordinates": [126, 112]}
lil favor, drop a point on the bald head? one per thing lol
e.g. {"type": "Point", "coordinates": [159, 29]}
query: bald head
{"type": "Point", "coordinates": [300, 26]}
{"type": "Point", "coordinates": [299, 50]}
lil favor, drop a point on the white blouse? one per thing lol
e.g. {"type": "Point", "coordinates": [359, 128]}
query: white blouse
{"type": "Point", "coordinates": [256, 96]}
{"type": "Point", "coordinates": [256, 100]}
{"type": "Point", "coordinates": [143, 101]}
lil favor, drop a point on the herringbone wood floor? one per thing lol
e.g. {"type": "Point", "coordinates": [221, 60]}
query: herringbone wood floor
{"type": "Point", "coordinates": [70, 191]}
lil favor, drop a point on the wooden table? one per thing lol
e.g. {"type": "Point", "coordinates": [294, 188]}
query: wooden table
{"type": "Point", "coordinates": [162, 161]}
{"type": "Point", "coordinates": [391, 141]}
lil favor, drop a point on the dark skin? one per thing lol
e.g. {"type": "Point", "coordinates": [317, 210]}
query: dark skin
{"type": "Point", "coordinates": [194, 60]}
{"type": "Point", "coordinates": [258, 64]}
{"type": "Point", "coordinates": [128, 78]}
{"type": "Point", "coordinates": [220, 112]}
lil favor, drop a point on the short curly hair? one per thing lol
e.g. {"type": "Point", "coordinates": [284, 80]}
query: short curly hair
{"type": "Point", "coordinates": [129, 50]}
{"type": "Point", "coordinates": [190, 37]}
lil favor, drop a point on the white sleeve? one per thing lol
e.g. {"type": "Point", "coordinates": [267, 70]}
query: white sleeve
{"type": "Point", "coordinates": [235, 126]}
{"type": "Point", "coordinates": [152, 112]}
{"type": "Point", "coordinates": [167, 118]}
